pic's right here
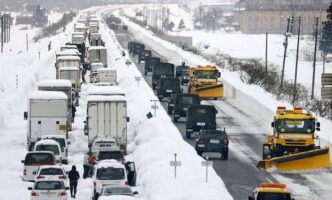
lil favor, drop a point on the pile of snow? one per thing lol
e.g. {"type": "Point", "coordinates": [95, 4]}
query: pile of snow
{"type": "Point", "coordinates": [153, 142]}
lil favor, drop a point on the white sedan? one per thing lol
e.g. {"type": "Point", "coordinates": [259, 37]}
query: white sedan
{"type": "Point", "coordinates": [53, 189]}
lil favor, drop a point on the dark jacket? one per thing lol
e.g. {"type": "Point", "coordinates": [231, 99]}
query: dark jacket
{"type": "Point", "coordinates": [73, 175]}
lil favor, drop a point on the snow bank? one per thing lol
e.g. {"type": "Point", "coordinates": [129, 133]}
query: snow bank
{"type": "Point", "coordinates": [154, 142]}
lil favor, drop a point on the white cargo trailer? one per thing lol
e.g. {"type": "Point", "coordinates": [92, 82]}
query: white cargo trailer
{"type": "Point", "coordinates": [98, 54]}
{"type": "Point", "coordinates": [67, 61]}
{"type": "Point", "coordinates": [107, 117]}
{"type": "Point", "coordinates": [61, 86]}
{"type": "Point", "coordinates": [47, 115]}
{"type": "Point", "coordinates": [72, 74]}
{"type": "Point", "coordinates": [94, 67]}
{"type": "Point", "coordinates": [107, 75]}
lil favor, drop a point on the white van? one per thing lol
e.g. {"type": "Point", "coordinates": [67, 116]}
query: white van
{"type": "Point", "coordinates": [64, 144]}
{"type": "Point", "coordinates": [33, 160]}
{"type": "Point", "coordinates": [108, 172]}
{"type": "Point", "coordinates": [49, 145]}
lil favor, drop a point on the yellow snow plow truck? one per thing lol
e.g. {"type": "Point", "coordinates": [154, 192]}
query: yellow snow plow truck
{"type": "Point", "coordinates": [204, 82]}
{"type": "Point", "coordinates": [292, 145]}
{"type": "Point", "coordinates": [270, 191]}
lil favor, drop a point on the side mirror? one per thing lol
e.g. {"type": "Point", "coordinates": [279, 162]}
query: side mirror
{"type": "Point", "coordinates": [67, 188]}
{"type": "Point", "coordinates": [22, 161]}
{"type": "Point", "coordinates": [251, 198]}
{"type": "Point", "coordinates": [318, 124]}
{"type": "Point", "coordinates": [128, 119]}
{"type": "Point", "coordinates": [135, 193]}
{"type": "Point", "coordinates": [25, 115]}
{"type": "Point", "coordinates": [29, 188]}
{"type": "Point", "coordinates": [272, 124]}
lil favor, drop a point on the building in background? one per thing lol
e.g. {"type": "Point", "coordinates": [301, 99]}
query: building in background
{"type": "Point", "coordinates": [261, 16]}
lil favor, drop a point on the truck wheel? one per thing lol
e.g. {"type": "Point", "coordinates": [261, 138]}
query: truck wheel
{"type": "Point", "coordinates": [188, 135]}
{"type": "Point", "coordinates": [199, 153]}
{"type": "Point", "coordinates": [145, 73]}
{"type": "Point", "coordinates": [225, 155]}
{"type": "Point", "coordinates": [169, 111]}
{"type": "Point", "coordinates": [153, 87]}
{"type": "Point", "coordinates": [175, 119]}
{"type": "Point", "coordinates": [160, 99]}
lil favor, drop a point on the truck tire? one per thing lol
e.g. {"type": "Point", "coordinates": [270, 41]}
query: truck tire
{"type": "Point", "coordinates": [145, 73]}
{"type": "Point", "coordinates": [188, 135]}
{"type": "Point", "coordinates": [225, 155]}
{"type": "Point", "coordinates": [199, 153]}
{"type": "Point", "coordinates": [169, 111]}
{"type": "Point", "coordinates": [175, 119]}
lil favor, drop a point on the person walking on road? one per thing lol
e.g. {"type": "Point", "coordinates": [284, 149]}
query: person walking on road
{"type": "Point", "coordinates": [73, 179]}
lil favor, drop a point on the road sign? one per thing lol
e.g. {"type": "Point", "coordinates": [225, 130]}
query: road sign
{"type": "Point", "coordinates": [154, 107]}
{"type": "Point", "coordinates": [175, 163]}
{"type": "Point", "coordinates": [207, 163]}
{"type": "Point", "coordinates": [326, 92]}
{"type": "Point", "coordinates": [326, 79]}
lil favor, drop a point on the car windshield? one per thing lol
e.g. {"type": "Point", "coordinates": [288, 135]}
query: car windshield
{"type": "Point", "coordinates": [61, 141]}
{"type": "Point", "coordinates": [189, 100]}
{"type": "Point", "coordinates": [213, 135]}
{"type": "Point", "coordinates": [41, 158]}
{"type": "Point", "coordinates": [295, 126]}
{"type": "Point", "coordinates": [208, 74]}
{"type": "Point", "coordinates": [117, 191]}
{"type": "Point", "coordinates": [48, 147]}
{"type": "Point", "coordinates": [273, 196]}
{"type": "Point", "coordinates": [49, 185]}
{"type": "Point", "coordinates": [185, 72]}
{"type": "Point", "coordinates": [202, 115]}
{"type": "Point", "coordinates": [163, 69]}
{"type": "Point", "coordinates": [110, 173]}
{"type": "Point", "coordinates": [152, 61]}
{"type": "Point", "coordinates": [51, 171]}
{"type": "Point", "coordinates": [116, 155]}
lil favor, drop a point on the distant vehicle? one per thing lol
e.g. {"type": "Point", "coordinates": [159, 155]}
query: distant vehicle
{"type": "Point", "coordinates": [137, 48]}
{"type": "Point", "coordinates": [49, 189]}
{"type": "Point", "coordinates": [212, 141]}
{"type": "Point", "coordinates": [67, 61]}
{"type": "Point", "coordinates": [51, 172]}
{"type": "Point", "coordinates": [64, 145]}
{"type": "Point", "coordinates": [168, 86]}
{"type": "Point", "coordinates": [114, 153]}
{"type": "Point", "coordinates": [32, 162]}
{"type": "Point", "coordinates": [161, 70]}
{"type": "Point", "coordinates": [182, 72]}
{"type": "Point", "coordinates": [178, 104]}
{"type": "Point", "coordinates": [68, 47]}
{"type": "Point", "coordinates": [200, 117]}
{"type": "Point", "coordinates": [108, 191]}
{"type": "Point", "coordinates": [98, 54]}
{"type": "Point", "coordinates": [100, 143]}
{"type": "Point", "coordinates": [94, 67]}
{"type": "Point", "coordinates": [150, 63]}
{"type": "Point", "coordinates": [108, 172]}
{"type": "Point", "coordinates": [48, 114]}
{"type": "Point", "coordinates": [143, 55]}
{"type": "Point", "coordinates": [271, 191]}
{"type": "Point", "coordinates": [50, 145]}
{"type": "Point", "coordinates": [107, 75]}
{"type": "Point", "coordinates": [78, 38]}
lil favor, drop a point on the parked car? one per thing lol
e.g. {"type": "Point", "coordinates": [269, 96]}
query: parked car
{"type": "Point", "coordinates": [110, 190]}
{"type": "Point", "coordinates": [50, 145]}
{"type": "Point", "coordinates": [49, 189]}
{"type": "Point", "coordinates": [51, 172]}
{"type": "Point", "coordinates": [212, 141]}
{"type": "Point", "coordinates": [64, 145]}
{"type": "Point", "coordinates": [33, 160]}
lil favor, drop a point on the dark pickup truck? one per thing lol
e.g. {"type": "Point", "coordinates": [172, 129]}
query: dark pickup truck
{"type": "Point", "coordinates": [168, 86]}
{"type": "Point", "coordinates": [161, 70]}
{"type": "Point", "coordinates": [178, 104]}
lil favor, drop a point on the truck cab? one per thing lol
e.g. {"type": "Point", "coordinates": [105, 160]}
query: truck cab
{"type": "Point", "coordinates": [200, 117]}
{"type": "Point", "coordinates": [168, 86]}
{"type": "Point", "coordinates": [271, 191]}
{"type": "Point", "coordinates": [150, 63]}
{"type": "Point", "coordinates": [161, 70]}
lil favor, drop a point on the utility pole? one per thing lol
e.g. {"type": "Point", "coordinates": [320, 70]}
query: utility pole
{"type": "Point", "coordinates": [27, 40]}
{"type": "Point", "coordinates": [314, 65]}
{"type": "Point", "coordinates": [285, 52]}
{"type": "Point", "coordinates": [297, 60]}
{"type": "Point", "coordinates": [266, 48]}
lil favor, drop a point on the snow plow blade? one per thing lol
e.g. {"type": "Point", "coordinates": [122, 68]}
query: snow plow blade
{"type": "Point", "coordinates": [214, 91]}
{"type": "Point", "coordinates": [309, 160]}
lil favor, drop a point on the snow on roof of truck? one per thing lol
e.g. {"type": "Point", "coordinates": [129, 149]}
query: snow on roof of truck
{"type": "Point", "coordinates": [53, 136]}
{"type": "Point", "coordinates": [68, 46]}
{"type": "Point", "coordinates": [69, 68]}
{"type": "Point", "coordinates": [96, 64]}
{"type": "Point", "coordinates": [105, 98]}
{"type": "Point", "coordinates": [68, 58]}
{"type": "Point", "coordinates": [106, 90]}
{"type": "Point", "coordinates": [106, 69]}
{"type": "Point", "coordinates": [97, 48]}
{"type": "Point", "coordinates": [109, 163]}
{"type": "Point", "coordinates": [47, 142]}
{"type": "Point", "coordinates": [79, 25]}
{"type": "Point", "coordinates": [54, 83]}
{"type": "Point", "coordinates": [47, 95]}
{"type": "Point", "coordinates": [68, 52]}
{"type": "Point", "coordinates": [104, 139]}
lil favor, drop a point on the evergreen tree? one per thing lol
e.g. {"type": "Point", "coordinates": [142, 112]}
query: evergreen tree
{"type": "Point", "coordinates": [325, 44]}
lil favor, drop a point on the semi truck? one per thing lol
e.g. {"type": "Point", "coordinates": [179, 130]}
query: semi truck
{"type": "Point", "coordinates": [98, 54]}
{"type": "Point", "coordinates": [107, 75]}
{"type": "Point", "coordinates": [46, 115]}
{"type": "Point", "coordinates": [67, 61]}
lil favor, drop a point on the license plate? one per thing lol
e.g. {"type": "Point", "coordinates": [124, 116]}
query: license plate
{"type": "Point", "coordinates": [201, 145]}
{"type": "Point", "coordinates": [214, 141]}
{"type": "Point", "coordinates": [200, 123]}
{"type": "Point", "coordinates": [169, 90]}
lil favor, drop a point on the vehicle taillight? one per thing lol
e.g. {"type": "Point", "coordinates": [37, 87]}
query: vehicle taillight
{"type": "Point", "coordinates": [34, 194]}
{"type": "Point", "coordinates": [226, 142]}
{"type": "Point", "coordinates": [62, 194]}
{"type": "Point", "coordinates": [40, 177]}
{"type": "Point", "coordinates": [63, 177]}
{"type": "Point", "coordinates": [24, 172]}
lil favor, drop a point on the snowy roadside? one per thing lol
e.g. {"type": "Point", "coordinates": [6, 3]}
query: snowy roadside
{"type": "Point", "coordinates": [153, 142]}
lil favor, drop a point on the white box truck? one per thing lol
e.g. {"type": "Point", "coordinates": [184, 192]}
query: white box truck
{"type": "Point", "coordinates": [67, 61]}
{"type": "Point", "coordinates": [47, 115]}
{"type": "Point", "coordinates": [60, 85]}
{"type": "Point", "coordinates": [107, 75]}
{"type": "Point", "coordinates": [107, 118]}
{"type": "Point", "coordinates": [98, 54]}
